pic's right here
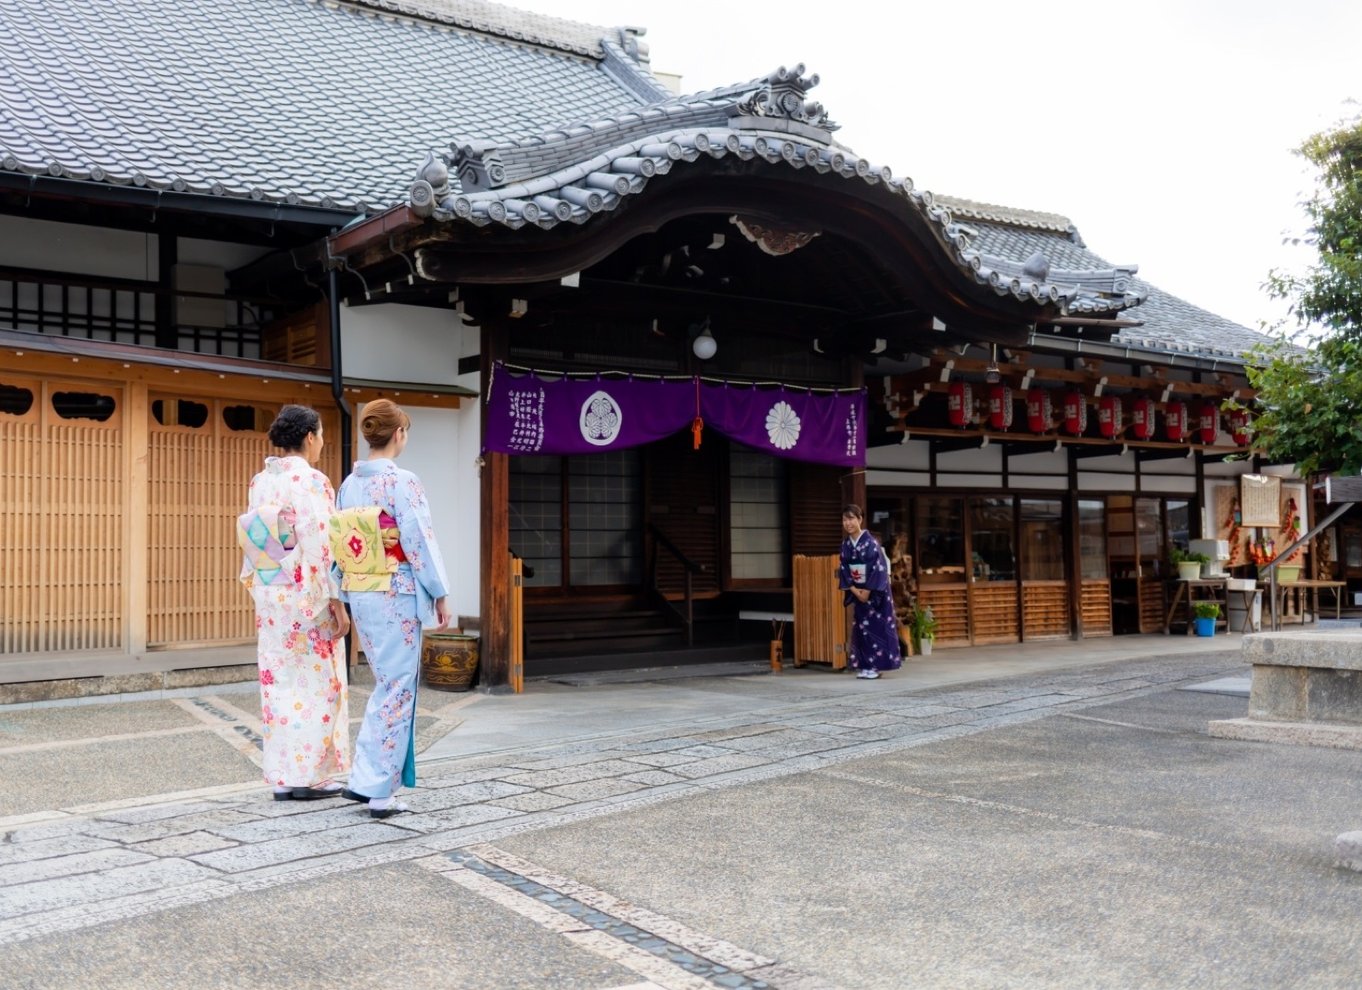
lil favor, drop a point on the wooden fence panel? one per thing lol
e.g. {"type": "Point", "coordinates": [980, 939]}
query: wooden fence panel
{"type": "Point", "coordinates": [950, 607]}
{"type": "Point", "coordinates": [62, 498]}
{"type": "Point", "coordinates": [197, 478]}
{"type": "Point", "coordinates": [820, 618]}
{"type": "Point", "coordinates": [1045, 609]}
{"type": "Point", "coordinates": [1096, 604]}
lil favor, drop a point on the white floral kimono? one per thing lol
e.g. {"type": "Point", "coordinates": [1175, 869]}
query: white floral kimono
{"type": "Point", "coordinates": [303, 706]}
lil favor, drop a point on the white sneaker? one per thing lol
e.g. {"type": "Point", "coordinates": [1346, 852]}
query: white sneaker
{"type": "Point", "coordinates": [871, 675]}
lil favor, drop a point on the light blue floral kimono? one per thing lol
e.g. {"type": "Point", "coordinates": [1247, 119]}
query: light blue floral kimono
{"type": "Point", "coordinates": [389, 626]}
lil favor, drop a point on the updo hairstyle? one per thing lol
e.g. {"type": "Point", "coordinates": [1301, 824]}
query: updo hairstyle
{"type": "Point", "coordinates": [381, 419]}
{"type": "Point", "coordinates": [291, 427]}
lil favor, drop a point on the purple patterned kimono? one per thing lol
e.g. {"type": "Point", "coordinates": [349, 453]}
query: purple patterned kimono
{"type": "Point", "coordinates": [874, 629]}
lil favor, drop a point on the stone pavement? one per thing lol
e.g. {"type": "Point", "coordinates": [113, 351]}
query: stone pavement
{"type": "Point", "coordinates": [1071, 824]}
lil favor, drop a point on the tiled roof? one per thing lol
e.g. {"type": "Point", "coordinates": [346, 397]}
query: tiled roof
{"type": "Point", "coordinates": [570, 174]}
{"type": "Point", "coordinates": [312, 102]}
{"type": "Point", "coordinates": [1169, 323]}
{"type": "Point", "coordinates": [502, 21]}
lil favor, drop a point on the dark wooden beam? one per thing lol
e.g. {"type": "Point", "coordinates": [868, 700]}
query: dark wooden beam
{"type": "Point", "coordinates": [495, 547]}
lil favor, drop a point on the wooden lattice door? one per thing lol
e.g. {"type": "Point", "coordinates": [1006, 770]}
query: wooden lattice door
{"type": "Point", "coordinates": [201, 457]}
{"type": "Point", "coordinates": [62, 496]}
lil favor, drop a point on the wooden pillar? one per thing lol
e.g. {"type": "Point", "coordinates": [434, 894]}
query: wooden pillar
{"type": "Point", "coordinates": [137, 552]}
{"type": "Point", "coordinates": [495, 628]}
{"type": "Point", "coordinates": [1073, 548]}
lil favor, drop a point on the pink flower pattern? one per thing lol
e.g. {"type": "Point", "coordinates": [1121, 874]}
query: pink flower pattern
{"type": "Point", "coordinates": [300, 670]}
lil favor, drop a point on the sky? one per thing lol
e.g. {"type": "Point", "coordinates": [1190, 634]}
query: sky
{"type": "Point", "coordinates": [1163, 130]}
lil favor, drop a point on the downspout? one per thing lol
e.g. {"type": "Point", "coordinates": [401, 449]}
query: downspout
{"type": "Point", "coordinates": [337, 379]}
{"type": "Point", "coordinates": [338, 394]}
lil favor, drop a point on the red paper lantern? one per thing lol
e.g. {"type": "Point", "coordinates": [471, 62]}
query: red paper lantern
{"type": "Point", "coordinates": [1109, 422]}
{"type": "Point", "coordinates": [1207, 422]}
{"type": "Point", "coordinates": [1039, 410]}
{"type": "Point", "coordinates": [1075, 413]}
{"type": "Point", "coordinates": [1175, 420]}
{"type": "Point", "coordinates": [1142, 419]}
{"type": "Point", "coordinates": [1000, 407]}
{"type": "Point", "coordinates": [1239, 426]}
{"type": "Point", "coordinates": [960, 404]}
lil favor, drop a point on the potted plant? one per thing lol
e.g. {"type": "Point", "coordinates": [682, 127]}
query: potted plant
{"type": "Point", "coordinates": [922, 629]}
{"type": "Point", "coordinates": [1187, 563]}
{"type": "Point", "coordinates": [1204, 615]}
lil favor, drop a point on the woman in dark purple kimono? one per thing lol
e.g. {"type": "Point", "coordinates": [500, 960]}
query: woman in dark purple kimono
{"type": "Point", "coordinates": [864, 577]}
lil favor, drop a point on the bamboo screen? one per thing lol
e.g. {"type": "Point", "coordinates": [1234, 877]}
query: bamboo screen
{"type": "Point", "coordinates": [820, 618]}
{"type": "Point", "coordinates": [197, 481]}
{"type": "Point", "coordinates": [62, 485]}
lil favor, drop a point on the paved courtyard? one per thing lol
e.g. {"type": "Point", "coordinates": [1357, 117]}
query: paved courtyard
{"type": "Point", "coordinates": [1014, 818]}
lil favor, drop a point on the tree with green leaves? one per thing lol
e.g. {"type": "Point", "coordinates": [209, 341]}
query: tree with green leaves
{"type": "Point", "coordinates": [1309, 378]}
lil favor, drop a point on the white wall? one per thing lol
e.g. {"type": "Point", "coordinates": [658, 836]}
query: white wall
{"type": "Point", "coordinates": [416, 344]}
{"type": "Point", "coordinates": [393, 343]}
{"type": "Point", "coordinates": [76, 248]}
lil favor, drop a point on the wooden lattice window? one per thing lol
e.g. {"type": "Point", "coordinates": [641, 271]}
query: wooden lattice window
{"type": "Point", "coordinates": [83, 405]}
{"type": "Point", "coordinates": [180, 412]}
{"type": "Point", "coordinates": [14, 400]}
{"type": "Point", "coordinates": [248, 419]}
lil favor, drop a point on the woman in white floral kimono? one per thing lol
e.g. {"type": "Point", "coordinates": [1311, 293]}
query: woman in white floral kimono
{"type": "Point", "coordinates": [394, 579]}
{"type": "Point", "coordinates": [298, 614]}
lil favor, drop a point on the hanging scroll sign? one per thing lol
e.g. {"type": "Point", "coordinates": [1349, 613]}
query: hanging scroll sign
{"type": "Point", "coordinates": [1260, 501]}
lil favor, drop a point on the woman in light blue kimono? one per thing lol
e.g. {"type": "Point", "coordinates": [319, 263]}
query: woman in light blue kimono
{"type": "Point", "coordinates": [382, 539]}
{"type": "Point", "coordinates": [864, 579]}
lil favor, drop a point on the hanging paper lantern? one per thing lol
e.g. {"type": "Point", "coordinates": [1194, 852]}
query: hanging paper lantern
{"type": "Point", "coordinates": [960, 404]}
{"type": "Point", "coordinates": [1207, 422]}
{"type": "Point", "coordinates": [1238, 420]}
{"type": "Point", "coordinates": [1109, 422]}
{"type": "Point", "coordinates": [1075, 413]}
{"type": "Point", "coordinates": [1039, 410]}
{"type": "Point", "coordinates": [1175, 420]}
{"type": "Point", "coordinates": [1000, 407]}
{"type": "Point", "coordinates": [1142, 419]}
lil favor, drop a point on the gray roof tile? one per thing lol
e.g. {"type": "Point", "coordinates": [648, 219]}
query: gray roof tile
{"type": "Point", "coordinates": [1169, 323]}
{"type": "Point", "coordinates": [294, 99]}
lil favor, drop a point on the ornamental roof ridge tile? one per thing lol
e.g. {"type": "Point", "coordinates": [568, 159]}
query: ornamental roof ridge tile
{"type": "Point", "coordinates": [1011, 215]}
{"type": "Point", "coordinates": [503, 21]}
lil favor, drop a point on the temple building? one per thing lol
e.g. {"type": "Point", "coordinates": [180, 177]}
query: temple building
{"type": "Point", "coordinates": [650, 343]}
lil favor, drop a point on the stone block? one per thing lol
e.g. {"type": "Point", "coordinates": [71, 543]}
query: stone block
{"type": "Point", "coordinates": [1335, 736]}
{"type": "Point", "coordinates": [1334, 650]}
{"type": "Point", "coordinates": [1308, 694]}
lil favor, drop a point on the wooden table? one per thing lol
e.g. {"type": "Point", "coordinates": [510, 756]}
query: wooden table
{"type": "Point", "coordinates": [1339, 588]}
{"type": "Point", "coordinates": [1198, 590]}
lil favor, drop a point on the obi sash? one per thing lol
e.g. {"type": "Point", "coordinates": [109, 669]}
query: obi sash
{"type": "Point", "coordinates": [266, 535]}
{"type": "Point", "coordinates": [366, 546]}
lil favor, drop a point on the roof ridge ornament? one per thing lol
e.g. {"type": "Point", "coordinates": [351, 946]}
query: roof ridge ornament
{"type": "Point", "coordinates": [783, 95]}
{"type": "Point", "coordinates": [431, 187]}
{"type": "Point", "coordinates": [478, 165]}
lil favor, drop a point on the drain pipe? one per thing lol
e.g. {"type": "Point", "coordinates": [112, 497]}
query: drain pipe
{"type": "Point", "coordinates": [337, 381]}
{"type": "Point", "coordinates": [338, 393]}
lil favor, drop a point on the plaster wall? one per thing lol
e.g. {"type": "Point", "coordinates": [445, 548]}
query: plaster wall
{"type": "Point", "coordinates": [409, 343]}
{"type": "Point", "coordinates": [81, 249]}
{"type": "Point", "coordinates": [395, 343]}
